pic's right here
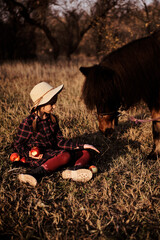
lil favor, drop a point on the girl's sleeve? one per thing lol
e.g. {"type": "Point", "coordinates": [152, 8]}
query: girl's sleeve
{"type": "Point", "coordinates": [23, 135]}
{"type": "Point", "coordinates": [66, 144]}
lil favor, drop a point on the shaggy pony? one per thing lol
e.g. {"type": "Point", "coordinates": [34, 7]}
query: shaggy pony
{"type": "Point", "coordinates": [122, 79]}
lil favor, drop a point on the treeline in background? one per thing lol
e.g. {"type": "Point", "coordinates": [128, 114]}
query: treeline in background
{"type": "Point", "coordinates": [55, 29]}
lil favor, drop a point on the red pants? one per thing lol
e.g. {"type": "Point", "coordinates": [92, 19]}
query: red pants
{"type": "Point", "coordinates": [82, 158]}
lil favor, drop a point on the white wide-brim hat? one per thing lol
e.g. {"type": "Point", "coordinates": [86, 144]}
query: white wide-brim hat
{"type": "Point", "coordinates": [43, 92]}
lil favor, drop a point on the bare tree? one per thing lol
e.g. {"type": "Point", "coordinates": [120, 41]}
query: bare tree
{"type": "Point", "coordinates": [105, 27]}
{"type": "Point", "coordinates": [148, 14]}
{"type": "Point", "coordinates": [73, 24]}
{"type": "Point", "coordinates": [34, 12]}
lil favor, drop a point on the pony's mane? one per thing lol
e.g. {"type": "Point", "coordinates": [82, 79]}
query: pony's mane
{"type": "Point", "coordinates": [94, 91]}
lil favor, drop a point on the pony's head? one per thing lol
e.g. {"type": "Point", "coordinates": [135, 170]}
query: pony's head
{"type": "Point", "coordinates": [100, 91]}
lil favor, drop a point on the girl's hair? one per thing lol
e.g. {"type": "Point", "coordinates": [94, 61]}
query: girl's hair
{"type": "Point", "coordinates": [35, 110]}
{"type": "Point", "coordinates": [34, 123]}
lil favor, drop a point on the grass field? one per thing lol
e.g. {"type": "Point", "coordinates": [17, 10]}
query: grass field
{"type": "Point", "coordinates": [122, 201]}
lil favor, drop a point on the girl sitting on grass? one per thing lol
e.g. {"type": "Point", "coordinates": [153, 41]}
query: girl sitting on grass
{"type": "Point", "coordinates": [41, 129]}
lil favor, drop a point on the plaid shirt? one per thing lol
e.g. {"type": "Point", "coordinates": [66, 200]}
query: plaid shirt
{"type": "Point", "coordinates": [48, 138]}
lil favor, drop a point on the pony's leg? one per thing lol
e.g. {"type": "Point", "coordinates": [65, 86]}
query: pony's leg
{"type": "Point", "coordinates": [156, 135]}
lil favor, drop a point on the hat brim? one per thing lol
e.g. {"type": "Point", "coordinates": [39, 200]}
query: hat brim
{"type": "Point", "coordinates": [50, 95]}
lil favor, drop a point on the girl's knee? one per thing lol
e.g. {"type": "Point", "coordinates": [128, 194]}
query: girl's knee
{"type": "Point", "coordinates": [86, 153]}
{"type": "Point", "coordinates": [65, 157]}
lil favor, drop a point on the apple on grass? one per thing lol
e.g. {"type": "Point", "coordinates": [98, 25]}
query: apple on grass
{"type": "Point", "coordinates": [93, 169]}
{"type": "Point", "coordinates": [14, 157]}
{"type": "Point", "coordinates": [35, 151]}
{"type": "Point", "coordinates": [23, 160]}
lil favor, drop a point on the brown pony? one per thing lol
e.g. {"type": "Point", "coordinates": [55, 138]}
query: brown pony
{"type": "Point", "coordinates": [122, 79]}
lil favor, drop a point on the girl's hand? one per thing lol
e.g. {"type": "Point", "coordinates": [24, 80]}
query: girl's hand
{"type": "Point", "coordinates": [88, 146]}
{"type": "Point", "coordinates": [39, 157]}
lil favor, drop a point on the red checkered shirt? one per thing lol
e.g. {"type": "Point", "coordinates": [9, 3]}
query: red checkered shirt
{"type": "Point", "coordinates": [48, 138]}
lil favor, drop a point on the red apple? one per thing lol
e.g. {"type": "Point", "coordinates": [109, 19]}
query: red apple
{"type": "Point", "coordinates": [14, 157]}
{"type": "Point", "coordinates": [23, 160]}
{"type": "Point", "coordinates": [35, 151]}
{"type": "Point", "coordinates": [93, 169]}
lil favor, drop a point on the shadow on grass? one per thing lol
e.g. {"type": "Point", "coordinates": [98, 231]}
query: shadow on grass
{"type": "Point", "coordinates": [110, 148]}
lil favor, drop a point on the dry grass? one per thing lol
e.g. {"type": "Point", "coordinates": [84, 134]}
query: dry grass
{"type": "Point", "coordinates": [120, 202]}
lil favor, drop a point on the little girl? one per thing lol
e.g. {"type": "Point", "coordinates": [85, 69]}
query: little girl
{"type": "Point", "coordinates": [41, 129]}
